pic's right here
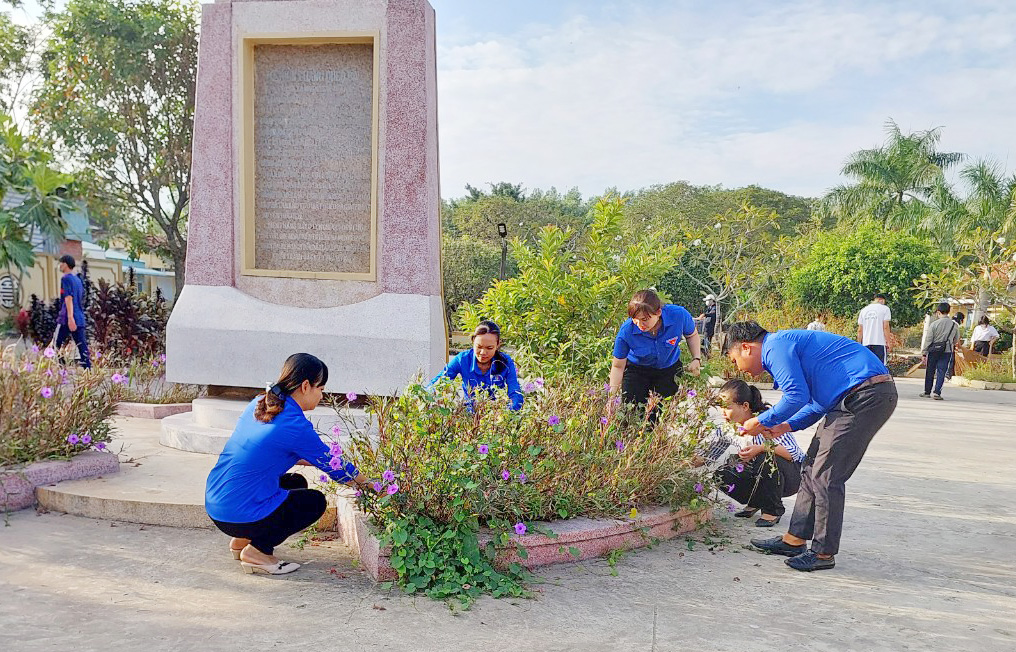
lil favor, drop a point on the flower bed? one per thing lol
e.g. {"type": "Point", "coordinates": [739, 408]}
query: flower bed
{"type": "Point", "coordinates": [18, 484]}
{"type": "Point", "coordinates": [447, 475]}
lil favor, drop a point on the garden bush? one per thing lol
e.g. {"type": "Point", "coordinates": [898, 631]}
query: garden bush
{"type": "Point", "coordinates": [899, 365]}
{"type": "Point", "coordinates": [444, 472]}
{"type": "Point", "coordinates": [146, 381]}
{"type": "Point", "coordinates": [125, 323]}
{"type": "Point", "coordinates": [562, 311]}
{"type": "Point", "coordinates": [51, 411]}
{"type": "Point", "coordinates": [993, 370]}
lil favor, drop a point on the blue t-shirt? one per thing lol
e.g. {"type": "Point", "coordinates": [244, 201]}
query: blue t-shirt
{"type": "Point", "coordinates": [814, 369]}
{"type": "Point", "coordinates": [658, 351]}
{"type": "Point", "coordinates": [243, 486]}
{"type": "Point", "coordinates": [502, 374]}
{"type": "Point", "coordinates": [71, 286]}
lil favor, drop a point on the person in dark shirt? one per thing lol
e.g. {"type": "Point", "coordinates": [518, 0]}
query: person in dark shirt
{"type": "Point", "coordinates": [709, 319]}
{"type": "Point", "coordinates": [70, 321]}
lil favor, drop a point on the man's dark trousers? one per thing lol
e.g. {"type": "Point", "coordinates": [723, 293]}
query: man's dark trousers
{"type": "Point", "coordinates": [834, 453]}
{"type": "Point", "coordinates": [80, 338]}
{"type": "Point", "coordinates": [879, 350]}
{"type": "Point", "coordinates": [937, 368]}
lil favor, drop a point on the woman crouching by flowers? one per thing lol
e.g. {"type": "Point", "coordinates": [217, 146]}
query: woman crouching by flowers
{"type": "Point", "coordinates": [755, 478]}
{"type": "Point", "coordinates": [485, 367]}
{"type": "Point", "coordinates": [249, 495]}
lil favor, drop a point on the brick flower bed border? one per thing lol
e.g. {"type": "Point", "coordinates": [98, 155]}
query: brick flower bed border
{"type": "Point", "coordinates": [589, 537]}
{"type": "Point", "coordinates": [151, 410]}
{"type": "Point", "coordinates": [18, 484]}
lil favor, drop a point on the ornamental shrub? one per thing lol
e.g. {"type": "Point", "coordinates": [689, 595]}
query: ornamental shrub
{"type": "Point", "coordinates": [445, 472]}
{"type": "Point", "coordinates": [562, 311]}
{"type": "Point", "coordinates": [126, 323]}
{"type": "Point", "coordinates": [51, 411]}
{"type": "Point", "coordinates": [146, 380]}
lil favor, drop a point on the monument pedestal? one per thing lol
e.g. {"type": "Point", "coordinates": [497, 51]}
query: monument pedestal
{"type": "Point", "coordinates": [314, 216]}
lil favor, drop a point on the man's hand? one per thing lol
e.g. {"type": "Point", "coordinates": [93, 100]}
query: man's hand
{"type": "Point", "coordinates": [71, 324]}
{"type": "Point", "coordinates": [751, 428]}
{"type": "Point", "coordinates": [777, 430]}
{"type": "Point", "coordinates": [749, 453]}
{"type": "Point", "coordinates": [694, 367]}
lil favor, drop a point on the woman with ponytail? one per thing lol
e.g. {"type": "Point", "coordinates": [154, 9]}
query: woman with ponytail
{"type": "Point", "coordinates": [754, 478]}
{"type": "Point", "coordinates": [249, 495]}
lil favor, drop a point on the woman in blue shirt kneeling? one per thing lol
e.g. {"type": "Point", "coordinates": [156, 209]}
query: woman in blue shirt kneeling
{"type": "Point", "coordinates": [249, 495]}
{"type": "Point", "coordinates": [647, 351]}
{"type": "Point", "coordinates": [485, 367]}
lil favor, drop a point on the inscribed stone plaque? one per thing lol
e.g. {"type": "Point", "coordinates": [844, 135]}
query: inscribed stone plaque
{"type": "Point", "coordinates": [312, 157]}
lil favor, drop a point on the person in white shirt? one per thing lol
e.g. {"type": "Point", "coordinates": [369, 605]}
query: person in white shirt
{"type": "Point", "coordinates": [818, 324]}
{"type": "Point", "coordinates": [873, 327]}
{"type": "Point", "coordinates": [984, 336]}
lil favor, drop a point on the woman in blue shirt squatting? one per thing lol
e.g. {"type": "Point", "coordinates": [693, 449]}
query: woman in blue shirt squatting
{"type": "Point", "coordinates": [249, 495]}
{"type": "Point", "coordinates": [647, 351]}
{"type": "Point", "coordinates": [484, 367]}
{"type": "Point", "coordinates": [753, 478]}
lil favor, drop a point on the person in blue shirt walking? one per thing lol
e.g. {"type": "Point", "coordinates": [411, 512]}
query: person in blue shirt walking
{"type": "Point", "coordinates": [820, 374]}
{"type": "Point", "coordinates": [484, 367]}
{"type": "Point", "coordinates": [249, 495]}
{"type": "Point", "coordinates": [647, 351]}
{"type": "Point", "coordinates": [70, 321]}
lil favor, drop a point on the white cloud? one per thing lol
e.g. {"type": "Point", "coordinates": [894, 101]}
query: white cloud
{"type": "Point", "coordinates": [777, 96]}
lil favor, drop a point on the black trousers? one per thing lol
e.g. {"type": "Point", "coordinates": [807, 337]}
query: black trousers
{"type": "Point", "coordinates": [80, 338]}
{"type": "Point", "coordinates": [878, 350]}
{"type": "Point", "coordinates": [760, 483]}
{"type": "Point", "coordinates": [834, 453]}
{"type": "Point", "coordinates": [639, 381]}
{"type": "Point", "coordinates": [982, 347]}
{"type": "Point", "coordinates": [937, 369]}
{"type": "Point", "coordinates": [301, 509]}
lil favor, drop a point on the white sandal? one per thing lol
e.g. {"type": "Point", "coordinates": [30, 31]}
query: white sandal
{"type": "Point", "coordinates": [281, 568]}
{"type": "Point", "coordinates": [236, 553]}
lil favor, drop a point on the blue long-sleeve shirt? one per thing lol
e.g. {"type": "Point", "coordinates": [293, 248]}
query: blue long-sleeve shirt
{"type": "Point", "coordinates": [243, 486]}
{"type": "Point", "coordinates": [814, 370]}
{"type": "Point", "coordinates": [502, 373]}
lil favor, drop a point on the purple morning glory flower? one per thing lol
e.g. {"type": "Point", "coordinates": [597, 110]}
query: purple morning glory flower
{"type": "Point", "coordinates": [86, 439]}
{"type": "Point", "coordinates": [730, 488]}
{"type": "Point", "coordinates": [731, 508]}
{"type": "Point", "coordinates": [323, 478]}
{"type": "Point", "coordinates": [116, 378]}
{"type": "Point", "coordinates": [101, 446]}
{"type": "Point", "coordinates": [29, 366]}
{"type": "Point", "coordinates": [393, 489]}
{"type": "Point", "coordinates": [48, 374]}
{"type": "Point", "coordinates": [335, 449]}
{"type": "Point", "coordinates": [520, 528]}
{"type": "Point", "coordinates": [46, 392]}
{"type": "Point", "coordinates": [388, 476]}
{"type": "Point", "coordinates": [73, 439]}
{"type": "Point", "coordinates": [155, 363]}
{"type": "Point", "coordinates": [350, 396]}
{"type": "Point", "coordinates": [606, 387]}
{"type": "Point", "coordinates": [619, 445]}
{"type": "Point", "coordinates": [698, 487]}
{"type": "Point", "coordinates": [49, 352]}
{"type": "Point", "coordinates": [553, 420]}
{"type": "Point", "coordinates": [357, 493]}
{"type": "Point", "coordinates": [692, 393]}
{"type": "Point", "coordinates": [35, 348]}
{"type": "Point", "coordinates": [162, 358]}
{"type": "Point", "coordinates": [336, 430]}
{"type": "Point", "coordinates": [603, 420]}
{"type": "Point", "coordinates": [506, 476]}
{"type": "Point", "coordinates": [522, 478]}
{"type": "Point", "coordinates": [529, 388]}
{"type": "Point", "coordinates": [483, 449]}
{"type": "Point", "coordinates": [739, 468]}
{"type": "Point", "coordinates": [376, 486]}
{"type": "Point", "coordinates": [539, 382]}
{"type": "Point", "coordinates": [335, 463]}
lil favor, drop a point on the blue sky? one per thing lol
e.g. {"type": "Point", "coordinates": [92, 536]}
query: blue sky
{"type": "Point", "coordinates": [598, 94]}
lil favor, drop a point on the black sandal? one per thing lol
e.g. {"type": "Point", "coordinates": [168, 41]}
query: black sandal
{"type": "Point", "coordinates": [747, 512]}
{"type": "Point", "coordinates": [764, 522]}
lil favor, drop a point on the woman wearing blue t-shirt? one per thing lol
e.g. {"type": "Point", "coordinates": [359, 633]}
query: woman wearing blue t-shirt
{"type": "Point", "coordinates": [484, 367]}
{"type": "Point", "coordinates": [249, 495]}
{"type": "Point", "coordinates": [647, 351]}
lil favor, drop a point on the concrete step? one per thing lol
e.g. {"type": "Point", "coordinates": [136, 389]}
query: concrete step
{"type": "Point", "coordinates": [156, 485]}
{"type": "Point", "coordinates": [210, 424]}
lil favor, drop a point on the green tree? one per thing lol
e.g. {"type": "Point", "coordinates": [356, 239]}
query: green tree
{"type": "Point", "coordinates": [845, 267]}
{"type": "Point", "coordinates": [893, 182]}
{"type": "Point", "coordinates": [118, 96]}
{"type": "Point", "coordinates": [17, 44]}
{"type": "Point", "coordinates": [561, 312]}
{"type": "Point", "coordinates": [469, 267]}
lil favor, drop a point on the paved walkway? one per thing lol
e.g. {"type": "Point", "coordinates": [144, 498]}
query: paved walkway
{"type": "Point", "coordinates": [928, 563]}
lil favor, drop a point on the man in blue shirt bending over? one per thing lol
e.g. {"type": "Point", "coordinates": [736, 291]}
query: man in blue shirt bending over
{"type": "Point", "coordinates": [821, 374]}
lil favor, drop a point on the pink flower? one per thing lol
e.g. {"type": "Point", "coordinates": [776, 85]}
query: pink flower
{"type": "Point", "coordinates": [619, 444]}
{"type": "Point", "coordinates": [739, 468]}
{"type": "Point", "coordinates": [483, 449]}
{"type": "Point", "coordinates": [322, 478]}
{"type": "Point", "coordinates": [357, 493]}
{"type": "Point", "coordinates": [731, 508]}
{"type": "Point", "coordinates": [520, 528]}
{"type": "Point", "coordinates": [46, 392]}
{"type": "Point", "coordinates": [529, 388]}
{"type": "Point", "coordinates": [392, 489]}
{"type": "Point", "coordinates": [692, 393]}
{"type": "Point", "coordinates": [350, 396]}
{"type": "Point", "coordinates": [49, 352]}
{"type": "Point", "coordinates": [730, 488]}
{"type": "Point", "coordinates": [539, 382]}
{"type": "Point", "coordinates": [522, 478]}
{"type": "Point", "coordinates": [698, 487]}
{"type": "Point", "coordinates": [101, 446]}
{"type": "Point", "coordinates": [388, 476]}
{"type": "Point", "coordinates": [86, 439]}
{"type": "Point", "coordinates": [335, 450]}
{"type": "Point", "coordinates": [603, 420]}
{"type": "Point", "coordinates": [29, 366]}
{"type": "Point", "coordinates": [73, 439]}
{"type": "Point", "coordinates": [35, 348]}
{"type": "Point", "coordinates": [336, 430]}
{"type": "Point", "coordinates": [335, 463]}
{"type": "Point", "coordinates": [162, 358]}
{"type": "Point", "coordinates": [155, 363]}
{"type": "Point", "coordinates": [553, 420]}
{"type": "Point", "coordinates": [606, 387]}
{"type": "Point", "coordinates": [376, 486]}
{"type": "Point", "coordinates": [506, 476]}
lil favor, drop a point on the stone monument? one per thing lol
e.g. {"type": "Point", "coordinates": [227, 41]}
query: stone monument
{"type": "Point", "coordinates": [314, 212]}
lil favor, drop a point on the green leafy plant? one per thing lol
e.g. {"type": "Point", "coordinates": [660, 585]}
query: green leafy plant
{"type": "Point", "coordinates": [454, 486]}
{"type": "Point", "coordinates": [993, 371]}
{"type": "Point", "coordinates": [125, 323]}
{"type": "Point", "coordinates": [561, 312]}
{"type": "Point", "coordinates": [146, 381]}
{"type": "Point", "coordinates": [51, 411]}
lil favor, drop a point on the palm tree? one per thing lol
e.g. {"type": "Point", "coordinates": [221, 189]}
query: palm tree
{"type": "Point", "coordinates": [906, 169]}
